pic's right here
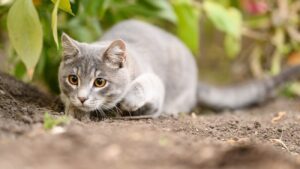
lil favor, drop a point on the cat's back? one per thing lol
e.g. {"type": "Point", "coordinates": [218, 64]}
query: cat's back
{"type": "Point", "coordinates": [154, 46]}
{"type": "Point", "coordinates": [143, 37]}
{"type": "Point", "coordinates": [165, 55]}
{"type": "Point", "coordinates": [134, 31]}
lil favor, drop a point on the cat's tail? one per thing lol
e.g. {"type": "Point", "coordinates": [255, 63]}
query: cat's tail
{"type": "Point", "coordinates": [243, 95]}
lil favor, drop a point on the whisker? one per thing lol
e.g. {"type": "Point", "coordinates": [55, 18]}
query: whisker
{"type": "Point", "coordinates": [115, 110]}
{"type": "Point", "coordinates": [110, 110]}
{"type": "Point", "coordinates": [97, 114]}
{"type": "Point", "coordinates": [130, 115]}
{"type": "Point", "coordinates": [119, 111]}
{"type": "Point", "coordinates": [102, 113]}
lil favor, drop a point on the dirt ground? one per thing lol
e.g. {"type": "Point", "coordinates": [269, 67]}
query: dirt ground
{"type": "Point", "coordinates": [263, 137]}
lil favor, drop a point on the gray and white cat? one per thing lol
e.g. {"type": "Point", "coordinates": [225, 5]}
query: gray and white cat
{"type": "Point", "coordinates": [138, 66]}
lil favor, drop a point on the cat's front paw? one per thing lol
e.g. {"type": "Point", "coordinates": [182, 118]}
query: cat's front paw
{"type": "Point", "coordinates": [132, 103]}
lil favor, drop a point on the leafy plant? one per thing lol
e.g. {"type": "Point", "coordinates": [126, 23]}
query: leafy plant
{"type": "Point", "coordinates": [188, 16]}
{"type": "Point", "coordinates": [277, 29]}
{"type": "Point", "coordinates": [271, 26]}
{"type": "Point", "coordinates": [227, 20]}
{"type": "Point", "coordinates": [50, 122]}
{"type": "Point", "coordinates": [85, 21]}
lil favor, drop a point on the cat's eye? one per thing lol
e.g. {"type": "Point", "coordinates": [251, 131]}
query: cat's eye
{"type": "Point", "coordinates": [99, 82]}
{"type": "Point", "coordinates": [73, 79]}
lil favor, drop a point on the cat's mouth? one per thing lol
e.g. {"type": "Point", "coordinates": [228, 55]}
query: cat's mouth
{"type": "Point", "coordinates": [85, 108]}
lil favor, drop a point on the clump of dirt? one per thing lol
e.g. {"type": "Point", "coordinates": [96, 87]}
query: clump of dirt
{"type": "Point", "coordinates": [23, 92]}
{"type": "Point", "coordinates": [253, 138]}
{"type": "Point", "coordinates": [21, 105]}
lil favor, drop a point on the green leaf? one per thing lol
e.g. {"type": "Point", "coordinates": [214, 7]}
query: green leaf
{"type": "Point", "coordinates": [294, 88]}
{"type": "Point", "coordinates": [103, 6]}
{"type": "Point", "coordinates": [164, 9]}
{"type": "Point", "coordinates": [277, 40]}
{"type": "Point", "coordinates": [50, 122]}
{"type": "Point", "coordinates": [54, 22]}
{"type": "Point", "coordinates": [258, 22]}
{"type": "Point", "coordinates": [228, 20]}
{"type": "Point", "coordinates": [19, 70]}
{"type": "Point", "coordinates": [25, 33]}
{"type": "Point", "coordinates": [187, 23]}
{"type": "Point", "coordinates": [232, 46]}
{"type": "Point", "coordinates": [84, 29]}
{"type": "Point", "coordinates": [64, 5]}
{"type": "Point", "coordinates": [98, 7]}
{"type": "Point", "coordinates": [235, 28]}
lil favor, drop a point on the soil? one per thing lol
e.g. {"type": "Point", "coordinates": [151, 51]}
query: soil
{"type": "Point", "coordinates": [263, 137]}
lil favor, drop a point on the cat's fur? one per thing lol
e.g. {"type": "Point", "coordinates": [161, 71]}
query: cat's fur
{"type": "Point", "coordinates": [146, 69]}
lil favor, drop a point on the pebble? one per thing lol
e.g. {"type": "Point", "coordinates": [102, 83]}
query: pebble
{"type": "Point", "coordinates": [58, 130]}
{"type": "Point", "coordinates": [257, 124]}
{"type": "Point", "coordinates": [194, 116]}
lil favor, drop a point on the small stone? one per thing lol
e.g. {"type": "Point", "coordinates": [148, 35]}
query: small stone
{"type": "Point", "coordinates": [194, 116]}
{"type": "Point", "coordinates": [24, 109]}
{"type": "Point", "coordinates": [257, 124]}
{"type": "Point", "coordinates": [58, 130]}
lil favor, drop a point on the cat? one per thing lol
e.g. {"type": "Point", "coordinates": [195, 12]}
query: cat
{"type": "Point", "coordinates": [137, 66]}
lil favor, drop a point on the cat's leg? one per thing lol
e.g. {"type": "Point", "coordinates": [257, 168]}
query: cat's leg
{"type": "Point", "coordinates": [146, 94]}
{"type": "Point", "coordinates": [67, 105]}
{"type": "Point", "coordinates": [77, 114]}
{"type": "Point", "coordinates": [72, 111]}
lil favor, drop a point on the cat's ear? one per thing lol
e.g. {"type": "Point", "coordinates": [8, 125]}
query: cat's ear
{"type": "Point", "coordinates": [70, 48]}
{"type": "Point", "coordinates": [115, 54]}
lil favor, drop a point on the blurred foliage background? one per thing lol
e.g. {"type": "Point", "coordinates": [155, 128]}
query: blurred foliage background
{"type": "Point", "coordinates": [231, 39]}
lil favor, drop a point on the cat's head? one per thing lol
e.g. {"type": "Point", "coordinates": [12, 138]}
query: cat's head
{"type": "Point", "coordinates": [93, 76]}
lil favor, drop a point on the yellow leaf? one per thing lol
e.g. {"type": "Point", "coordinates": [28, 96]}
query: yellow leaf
{"type": "Point", "coordinates": [64, 5]}
{"type": "Point", "coordinates": [25, 32]}
{"type": "Point", "coordinates": [278, 117]}
{"type": "Point", "coordinates": [54, 22]}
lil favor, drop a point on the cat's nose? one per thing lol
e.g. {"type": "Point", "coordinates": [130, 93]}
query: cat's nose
{"type": "Point", "coordinates": [82, 99]}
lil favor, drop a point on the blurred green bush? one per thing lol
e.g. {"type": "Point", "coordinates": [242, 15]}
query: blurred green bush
{"type": "Point", "coordinates": [33, 26]}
